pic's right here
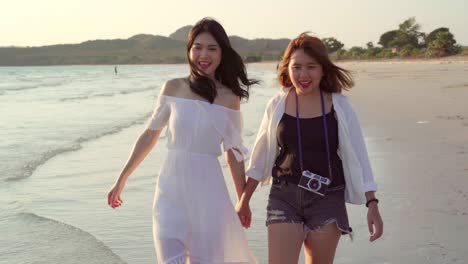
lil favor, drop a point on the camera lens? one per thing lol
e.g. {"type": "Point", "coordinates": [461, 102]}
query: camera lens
{"type": "Point", "coordinates": [314, 184]}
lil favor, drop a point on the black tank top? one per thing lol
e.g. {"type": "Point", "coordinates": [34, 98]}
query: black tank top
{"type": "Point", "coordinates": [287, 164]}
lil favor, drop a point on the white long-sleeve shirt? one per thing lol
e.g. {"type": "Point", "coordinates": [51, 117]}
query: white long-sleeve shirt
{"type": "Point", "coordinates": [351, 149]}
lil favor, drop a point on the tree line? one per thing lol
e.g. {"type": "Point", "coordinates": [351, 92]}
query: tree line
{"type": "Point", "coordinates": [407, 41]}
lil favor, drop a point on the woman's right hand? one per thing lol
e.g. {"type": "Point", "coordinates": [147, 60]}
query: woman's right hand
{"type": "Point", "coordinates": [113, 197]}
{"type": "Point", "coordinates": [374, 222]}
{"type": "Point", "coordinates": [244, 213]}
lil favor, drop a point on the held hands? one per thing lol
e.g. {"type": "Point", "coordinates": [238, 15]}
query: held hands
{"type": "Point", "coordinates": [374, 222]}
{"type": "Point", "coordinates": [244, 213]}
{"type": "Point", "coordinates": [113, 197]}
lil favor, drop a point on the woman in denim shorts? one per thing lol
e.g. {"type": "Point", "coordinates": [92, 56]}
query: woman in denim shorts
{"type": "Point", "coordinates": [311, 150]}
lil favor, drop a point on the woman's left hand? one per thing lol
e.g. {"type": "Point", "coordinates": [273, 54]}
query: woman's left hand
{"type": "Point", "coordinates": [244, 213]}
{"type": "Point", "coordinates": [374, 222]}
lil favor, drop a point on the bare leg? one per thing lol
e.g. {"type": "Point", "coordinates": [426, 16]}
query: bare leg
{"type": "Point", "coordinates": [284, 242]}
{"type": "Point", "coordinates": [320, 245]}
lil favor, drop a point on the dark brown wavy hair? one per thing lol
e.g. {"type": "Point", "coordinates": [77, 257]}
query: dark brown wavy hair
{"type": "Point", "coordinates": [334, 79]}
{"type": "Point", "coordinates": [231, 71]}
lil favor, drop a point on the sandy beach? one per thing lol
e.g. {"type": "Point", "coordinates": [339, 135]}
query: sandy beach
{"type": "Point", "coordinates": [414, 115]}
{"type": "Point", "coordinates": [415, 119]}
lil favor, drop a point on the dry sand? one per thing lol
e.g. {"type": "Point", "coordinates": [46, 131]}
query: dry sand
{"type": "Point", "coordinates": [415, 119]}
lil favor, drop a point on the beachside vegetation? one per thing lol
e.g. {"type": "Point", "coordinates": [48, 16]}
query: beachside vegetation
{"type": "Point", "coordinates": [406, 42]}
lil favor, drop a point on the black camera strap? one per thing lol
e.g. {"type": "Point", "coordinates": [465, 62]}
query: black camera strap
{"type": "Point", "coordinates": [325, 129]}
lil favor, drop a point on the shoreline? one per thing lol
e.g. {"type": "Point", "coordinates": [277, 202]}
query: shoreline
{"type": "Point", "coordinates": [458, 59]}
{"type": "Point", "coordinates": [462, 59]}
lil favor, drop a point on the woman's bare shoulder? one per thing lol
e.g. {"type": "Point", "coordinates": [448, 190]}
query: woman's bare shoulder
{"type": "Point", "coordinates": [227, 98]}
{"type": "Point", "coordinates": [174, 87]}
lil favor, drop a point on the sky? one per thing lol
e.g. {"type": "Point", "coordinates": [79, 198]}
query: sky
{"type": "Point", "coordinates": [353, 22]}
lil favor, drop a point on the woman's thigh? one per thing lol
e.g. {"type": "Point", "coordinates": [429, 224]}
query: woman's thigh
{"type": "Point", "coordinates": [320, 244]}
{"type": "Point", "coordinates": [285, 242]}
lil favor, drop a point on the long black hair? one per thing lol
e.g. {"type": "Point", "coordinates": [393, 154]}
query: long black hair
{"type": "Point", "coordinates": [231, 70]}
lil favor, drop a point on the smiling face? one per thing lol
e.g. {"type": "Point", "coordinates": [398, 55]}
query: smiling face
{"type": "Point", "coordinates": [305, 72]}
{"type": "Point", "coordinates": [205, 54]}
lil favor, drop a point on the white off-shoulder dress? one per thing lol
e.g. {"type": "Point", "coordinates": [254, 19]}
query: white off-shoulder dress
{"type": "Point", "coordinates": [193, 216]}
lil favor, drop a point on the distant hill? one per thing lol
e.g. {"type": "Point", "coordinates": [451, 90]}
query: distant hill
{"type": "Point", "coordinates": [181, 34]}
{"type": "Point", "coordinates": [139, 49]}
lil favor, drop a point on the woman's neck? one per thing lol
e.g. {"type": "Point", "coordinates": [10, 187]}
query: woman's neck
{"type": "Point", "coordinates": [310, 95]}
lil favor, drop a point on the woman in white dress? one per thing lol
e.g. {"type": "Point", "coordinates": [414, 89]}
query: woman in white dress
{"type": "Point", "coordinates": [193, 217]}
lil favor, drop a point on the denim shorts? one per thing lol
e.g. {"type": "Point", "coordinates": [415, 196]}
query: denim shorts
{"type": "Point", "coordinates": [288, 203]}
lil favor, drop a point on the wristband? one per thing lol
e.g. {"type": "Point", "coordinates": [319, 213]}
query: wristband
{"type": "Point", "coordinates": [372, 200]}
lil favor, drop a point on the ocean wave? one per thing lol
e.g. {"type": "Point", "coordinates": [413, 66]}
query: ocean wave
{"type": "Point", "coordinates": [16, 88]}
{"type": "Point", "coordinates": [143, 89]}
{"type": "Point", "coordinates": [110, 94]}
{"type": "Point", "coordinates": [35, 237]}
{"type": "Point", "coordinates": [28, 169]}
{"type": "Point", "coordinates": [20, 87]}
{"type": "Point", "coordinates": [76, 98]}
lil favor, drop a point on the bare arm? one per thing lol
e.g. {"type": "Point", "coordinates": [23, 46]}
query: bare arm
{"type": "Point", "coordinates": [255, 171]}
{"type": "Point", "coordinates": [142, 147]}
{"type": "Point", "coordinates": [237, 170]}
{"type": "Point", "coordinates": [374, 220]}
{"type": "Point", "coordinates": [249, 189]}
{"type": "Point", "coordinates": [144, 144]}
{"type": "Point", "coordinates": [243, 206]}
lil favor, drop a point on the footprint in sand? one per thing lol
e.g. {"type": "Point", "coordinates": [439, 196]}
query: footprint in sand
{"type": "Point", "coordinates": [463, 194]}
{"type": "Point", "coordinates": [448, 212]}
{"type": "Point", "coordinates": [438, 253]}
{"type": "Point", "coordinates": [452, 117]}
{"type": "Point", "coordinates": [461, 85]}
{"type": "Point", "coordinates": [432, 252]}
